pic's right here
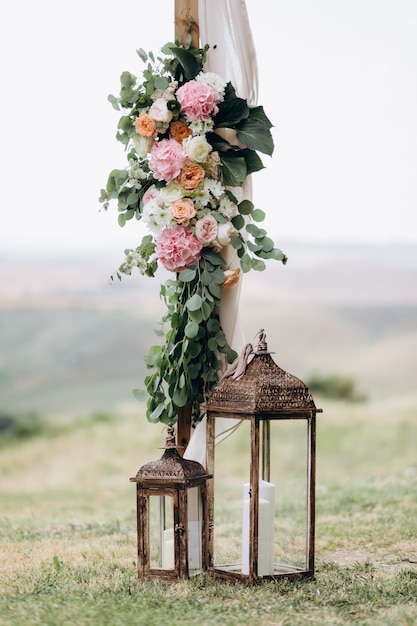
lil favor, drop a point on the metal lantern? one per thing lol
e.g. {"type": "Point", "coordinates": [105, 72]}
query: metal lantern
{"type": "Point", "coordinates": [261, 528]}
{"type": "Point", "coordinates": [171, 515]}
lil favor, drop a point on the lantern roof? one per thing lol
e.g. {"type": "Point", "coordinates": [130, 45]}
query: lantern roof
{"type": "Point", "coordinates": [258, 385]}
{"type": "Point", "coordinates": [171, 466]}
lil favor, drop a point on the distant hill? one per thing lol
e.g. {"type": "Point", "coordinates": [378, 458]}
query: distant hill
{"type": "Point", "coordinates": [71, 342]}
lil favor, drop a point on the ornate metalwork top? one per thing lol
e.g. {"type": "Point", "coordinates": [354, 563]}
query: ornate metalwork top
{"type": "Point", "coordinates": [171, 466]}
{"type": "Point", "coordinates": [261, 386]}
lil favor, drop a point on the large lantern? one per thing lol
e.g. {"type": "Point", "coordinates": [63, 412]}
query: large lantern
{"type": "Point", "coordinates": [171, 516]}
{"type": "Point", "coordinates": [262, 509]}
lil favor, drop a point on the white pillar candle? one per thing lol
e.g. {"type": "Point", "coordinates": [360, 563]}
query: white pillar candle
{"type": "Point", "coordinates": [194, 528]}
{"type": "Point", "coordinates": [168, 554]}
{"type": "Point", "coordinates": [265, 528]}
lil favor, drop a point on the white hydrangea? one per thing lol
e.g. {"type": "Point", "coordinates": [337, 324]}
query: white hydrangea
{"type": "Point", "coordinates": [214, 80]}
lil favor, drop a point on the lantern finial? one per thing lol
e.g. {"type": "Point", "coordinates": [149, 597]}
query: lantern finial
{"type": "Point", "coordinates": [262, 345]}
{"type": "Point", "coordinates": [170, 437]}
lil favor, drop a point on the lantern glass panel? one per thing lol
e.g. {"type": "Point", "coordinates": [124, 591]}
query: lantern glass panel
{"type": "Point", "coordinates": [161, 532]}
{"type": "Point", "coordinates": [283, 498]}
{"type": "Point", "coordinates": [194, 528]}
{"type": "Point", "coordinates": [232, 463]}
{"type": "Point", "coordinates": [288, 473]}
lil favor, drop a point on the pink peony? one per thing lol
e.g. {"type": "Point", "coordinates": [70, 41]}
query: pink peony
{"type": "Point", "coordinates": [206, 229]}
{"type": "Point", "coordinates": [177, 248]}
{"type": "Point", "coordinates": [198, 101]}
{"type": "Point", "coordinates": [167, 159]}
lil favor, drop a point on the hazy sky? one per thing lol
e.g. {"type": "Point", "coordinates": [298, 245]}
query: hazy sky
{"type": "Point", "coordinates": [338, 78]}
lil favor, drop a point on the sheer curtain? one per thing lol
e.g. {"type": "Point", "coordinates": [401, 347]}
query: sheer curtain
{"type": "Point", "coordinates": [224, 26]}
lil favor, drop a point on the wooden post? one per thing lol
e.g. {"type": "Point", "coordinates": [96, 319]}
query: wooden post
{"type": "Point", "coordinates": [186, 11]}
{"type": "Point", "coordinates": [186, 14]}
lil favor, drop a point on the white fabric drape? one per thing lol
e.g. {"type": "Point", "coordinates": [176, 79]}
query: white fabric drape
{"type": "Point", "coordinates": [224, 26]}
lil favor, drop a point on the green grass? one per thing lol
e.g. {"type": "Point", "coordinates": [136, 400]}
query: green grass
{"type": "Point", "coordinates": [68, 530]}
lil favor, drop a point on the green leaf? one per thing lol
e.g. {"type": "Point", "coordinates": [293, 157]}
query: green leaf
{"type": "Point", "coordinates": [160, 82]}
{"type": "Point", "coordinates": [258, 113]}
{"type": "Point", "coordinates": [127, 80]}
{"type": "Point", "coordinates": [258, 265]}
{"type": "Point", "coordinates": [188, 62]}
{"type": "Point", "coordinates": [196, 316]}
{"type": "Point", "coordinates": [266, 243]}
{"type": "Point", "coordinates": [231, 112]}
{"type": "Point", "coordinates": [234, 170]}
{"type": "Point", "coordinates": [142, 54]}
{"type": "Point", "coordinates": [246, 263]}
{"type": "Point", "coordinates": [206, 310]}
{"type": "Point", "coordinates": [255, 135]}
{"type": "Point", "coordinates": [121, 219]}
{"type": "Point", "coordinates": [187, 275]}
{"type": "Point", "coordinates": [252, 160]}
{"type": "Point", "coordinates": [156, 414]}
{"type": "Point", "coordinates": [255, 231]}
{"type": "Point", "coordinates": [125, 123]}
{"type": "Point", "coordinates": [214, 257]}
{"type": "Point", "coordinates": [238, 222]}
{"type": "Point", "coordinates": [194, 302]}
{"type": "Point", "coordinates": [245, 207]}
{"type": "Point", "coordinates": [191, 330]}
{"type": "Point", "coordinates": [114, 102]}
{"type": "Point", "coordinates": [258, 215]}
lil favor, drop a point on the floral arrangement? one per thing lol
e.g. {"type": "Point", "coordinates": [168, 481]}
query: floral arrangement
{"type": "Point", "coordinates": [182, 168]}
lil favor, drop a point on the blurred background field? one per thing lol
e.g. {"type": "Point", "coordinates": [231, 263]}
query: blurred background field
{"type": "Point", "coordinates": [71, 351]}
{"type": "Point", "coordinates": [72, 342]}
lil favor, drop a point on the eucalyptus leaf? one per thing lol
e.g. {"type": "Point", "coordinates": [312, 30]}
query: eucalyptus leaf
{"type": "Point", "coordinates": [187, 275]}
{"type": "Point", "coordinates": [194, 302]}
{"type": "Point", "coordinates": [258, 265]}
{"type": "Point", "coordinates": [246, 263]}
{"type": "Point", "coordinates": [191, 330]}
{"type": "Point", "coordinates": [258, 215]}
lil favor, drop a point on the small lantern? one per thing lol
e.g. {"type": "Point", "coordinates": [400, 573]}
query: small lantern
{"type": "Point", "coordinates": [171, 515]}
{"type": "Point", "coordinates": [262, 529]}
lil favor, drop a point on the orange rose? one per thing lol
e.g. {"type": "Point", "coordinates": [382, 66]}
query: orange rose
{"type": "Point", "coordinates": [145, 125]}
{"type": "Point", "coordinates": [183, 210]}
{"type": "Point", "coordinates": [179, 130]}
{"type": "Point", "coordinates": [191, 176]}
{"type": "Point", "coordinates": [231, 277]}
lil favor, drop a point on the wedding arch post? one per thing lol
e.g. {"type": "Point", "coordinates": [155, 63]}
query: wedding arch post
{"type": "Point", "coordinates": [186, 17]}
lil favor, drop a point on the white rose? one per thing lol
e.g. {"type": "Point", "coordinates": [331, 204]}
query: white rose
{"type": "Point", "coordinates": [197, 148]}
{"type": "Point", "coordinates": [142, 145]}
{"type": "Point", "coordinates": [224, 234]}
{"type": "Point", "coordinates": [171, 192]}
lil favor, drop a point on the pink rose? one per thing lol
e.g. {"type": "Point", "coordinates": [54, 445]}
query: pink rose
{"type": "Point", "coordinates": [160, 112]}
{"type": "Point", "coordinates": [177, 248]}
{"type": "Point", "coordinates": [167, 158]}
{"type": "Point", "coordinates": [206, 229]}
{"type": "Point", "coordinates": [152, 194]}
{"type": "Point", "coordinates": [198, 101]}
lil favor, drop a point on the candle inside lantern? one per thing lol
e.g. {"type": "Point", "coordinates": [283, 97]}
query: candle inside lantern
{"type": "Point", "coordinates": [194, 528]}
{"type": "Point", "coordinates": [265, 528]}
{"type": "Point", "coordinates": [168, 554]}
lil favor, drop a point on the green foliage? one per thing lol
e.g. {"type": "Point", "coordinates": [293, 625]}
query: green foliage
{"type": "Point", "coordinates": [335, 387]}
{"type": "Point", "coordinates": [185, 366]}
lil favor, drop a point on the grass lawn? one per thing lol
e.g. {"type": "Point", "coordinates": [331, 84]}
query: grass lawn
{"type": "Point", "coordinates": [68, 530]}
